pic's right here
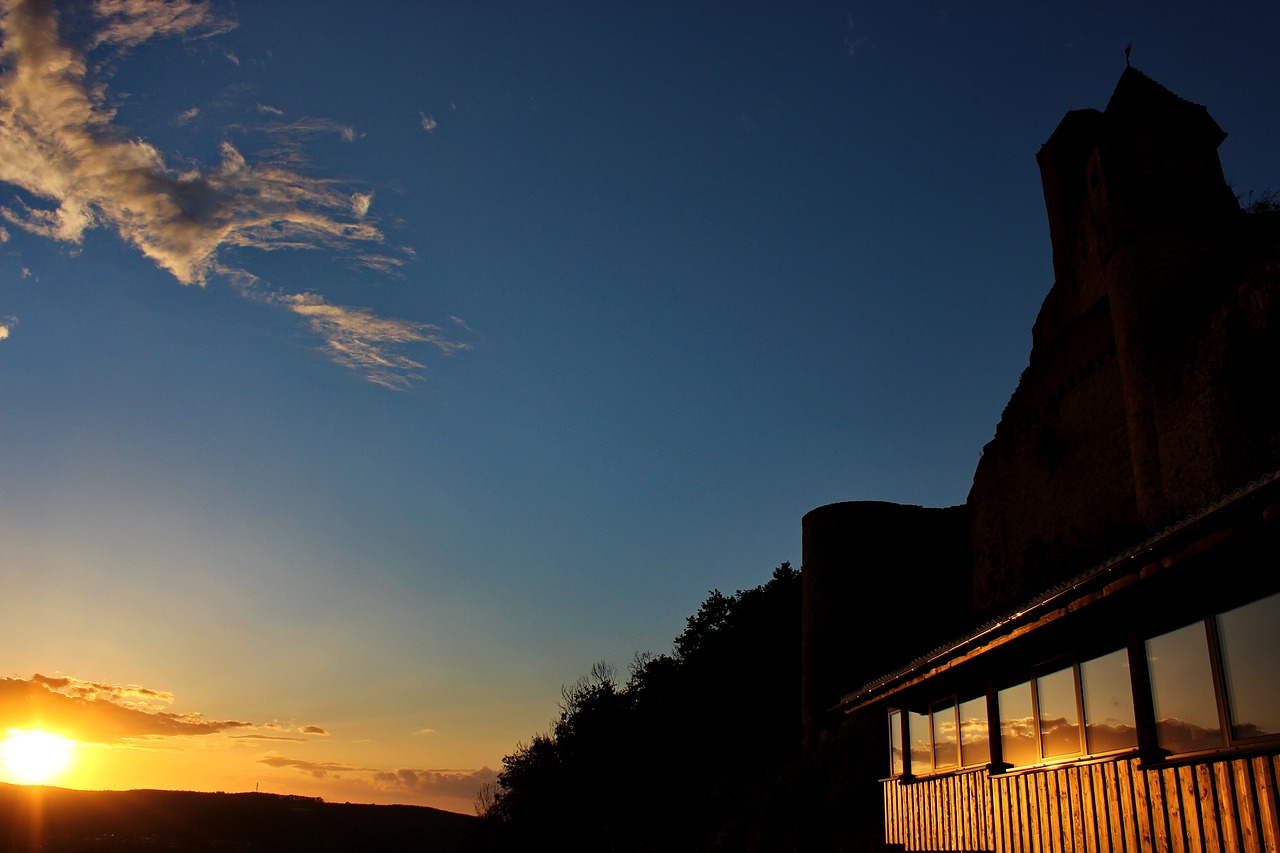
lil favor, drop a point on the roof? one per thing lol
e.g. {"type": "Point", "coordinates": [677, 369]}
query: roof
{"type": "Point", "coordinates": [1054, 602]}
{"type": "Point", "coordinates": [1138, 98]}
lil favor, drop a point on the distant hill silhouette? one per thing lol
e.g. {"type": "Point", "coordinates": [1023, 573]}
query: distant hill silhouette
{"type": "Point", "coordinates": [58, 820]}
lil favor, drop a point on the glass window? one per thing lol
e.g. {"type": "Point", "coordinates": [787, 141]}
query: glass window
{"type": "Point", "coordinates": [1182, 689]}
{"type": "Point", "coordinates": [1017, 725]}
{"type": "Point", "coordinates": [1249, 638]}
{"type": "Point", "coordinates": [1108, 703]}
{"type": "Point", "coordinates": [1059, 714]}
{"type": "Point", "coordinates": [921, 743]}
{"type": "Point", "coordinates": [895, 743]}
{"type": "Point", "coordinates": [946, 743]}
{"type": "Point", "coordinates": [975, 741]}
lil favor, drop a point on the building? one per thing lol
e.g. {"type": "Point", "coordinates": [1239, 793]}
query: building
{"type": "Point", "coordinates": [1086, 654]}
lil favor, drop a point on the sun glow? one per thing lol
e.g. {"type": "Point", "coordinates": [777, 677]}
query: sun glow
{"type": "Point", "coordinates": [35, 756]}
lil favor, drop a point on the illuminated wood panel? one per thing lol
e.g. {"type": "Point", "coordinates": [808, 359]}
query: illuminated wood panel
{"type": "Point", "coordinates": [1099, 807]}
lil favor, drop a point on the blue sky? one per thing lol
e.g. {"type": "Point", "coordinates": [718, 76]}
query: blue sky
{"type": "Point", "coordinates": [377, 370]}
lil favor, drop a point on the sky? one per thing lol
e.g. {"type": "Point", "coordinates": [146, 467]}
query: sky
{"type": "Point", "coordinates": [367, 374]}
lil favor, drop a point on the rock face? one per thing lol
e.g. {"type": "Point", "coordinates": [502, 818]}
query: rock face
{"type": "Point", "coordinates": [1152, 391]}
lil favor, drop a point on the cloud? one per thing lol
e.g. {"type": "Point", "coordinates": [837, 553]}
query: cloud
{"type": "Point", "coordinates": [428, 122]}
{"type": "Point", "coordinates": [318, 769]}
{"type": "Point", "coordinates": [186, 116]}
{"type": "Point", "coordinates": [127, 23]}
{"type": "Point", "coordinates": [313, 730]}
{"type": "Point", "coordinates": [360, 204]}
{"type": "Point", "coordinates": [92, 712]}
{"type": "Point", "coordinates": [358, 339]}
{"type": "Point", "coordinates": [433, 783]}
{"type": "Point", "coordinates": [6, 326]}
{"type": "Point", "coordinates": [442, 783]}
{"type": "Point", "coordinates": [60, 144]}
{"type": "Point", "coordinates": [267, 737]}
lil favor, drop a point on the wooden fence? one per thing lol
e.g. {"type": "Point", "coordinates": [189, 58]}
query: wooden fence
{"type": "Point", "coordinates": [1106, 806]}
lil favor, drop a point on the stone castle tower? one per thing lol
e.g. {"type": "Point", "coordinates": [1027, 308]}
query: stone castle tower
{"type": "Point", "coordinates": [1151, 392]}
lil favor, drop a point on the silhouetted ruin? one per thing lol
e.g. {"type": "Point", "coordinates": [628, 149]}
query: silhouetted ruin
{"type": "Point", "coordinates": [1084, 654]}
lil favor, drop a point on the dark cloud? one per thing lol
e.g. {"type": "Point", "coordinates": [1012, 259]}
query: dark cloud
{"type": "Point", "coordinates": [443, 783]}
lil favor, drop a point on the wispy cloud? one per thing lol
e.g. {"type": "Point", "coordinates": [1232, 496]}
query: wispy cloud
{"type": "Point", "coordinates": [436, 783]}
{"type": "Point", "coordinates": [313, 730]}
{"type": "Point", "coordinates": [428, 122]}
{"type": "Point", "coordinates": [186, 116]}
{"type": "Point", "coordinates": [60, 144]}
{"type": "Point", "coordinates": [318, 769]}
{"type": "Point", "coordinates": [130, 22]}
{"type": "Point", "coordinates": [358, 339]}
{"type": "Point", "coordinates": [6, 326]}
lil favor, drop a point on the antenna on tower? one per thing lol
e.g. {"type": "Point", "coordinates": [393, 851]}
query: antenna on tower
{"type": "Point", "coordinates": [1128, 47]}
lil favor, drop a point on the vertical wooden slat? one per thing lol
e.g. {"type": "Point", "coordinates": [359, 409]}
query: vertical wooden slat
{"type": "Point", "coordinates": [1035, 821]}
{"type": "Point", "coordinates": [1088, 811]}
{"type": "Point", "coordinates": [1075, 808]}
{"type": "Point", "coordinates": [1003, 808]}
{"type": "Point", "coordinates": [1025, 792]}
{"type": "Point", "coordinates": [1264, 783]}
{"type": "Point", "coordinates": [1207, 802]}
{"type": "Point", "coordinates": [899, 812]}
{"type": "Point", "coordinates": [957, 814]}
{"type": "Point", "coordinates": [1191, 820]}
{"type": "Point", "coordinates": [1228, 818]}
{"type": "Point", "coordinates": [1246, 805]}
{"type": "Point", "coordinates": [1068, 810]}
{"type": "Point", "coordinates": [1157, 798]}
{"type": "Point", "coordinates": [968, 818]}
{"type": "Point", "coordinates": [1048, 811]}
{"type": "Point", "coordinates": [1124, 786]}
{"type": "Point", "coordinates": [1098, 780]}
{"type": "Point", "coordinates": [1173, 810]}
{"type": "Point", "coordinates": [998, 813]}
{"type": "Point", "coordinates": [1143, 812]}
{"type": "Point", "coordinates": [918, 816]}
{"type": "Point", "coordinates": [1111, 793]}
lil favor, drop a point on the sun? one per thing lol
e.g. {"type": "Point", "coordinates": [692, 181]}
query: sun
{"type": "Point", "coordinates": [35, 756]}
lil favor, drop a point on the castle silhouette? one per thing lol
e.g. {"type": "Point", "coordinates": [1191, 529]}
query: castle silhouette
{"type": "Point", "coordinates": [1086, 653]}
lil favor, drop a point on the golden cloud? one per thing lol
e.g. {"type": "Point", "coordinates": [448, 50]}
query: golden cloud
{"type": "Point", "coordinates": [92, 712]}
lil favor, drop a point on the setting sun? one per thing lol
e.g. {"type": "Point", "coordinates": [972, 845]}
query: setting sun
{"type": "Point", "coordinates": [35, 756]}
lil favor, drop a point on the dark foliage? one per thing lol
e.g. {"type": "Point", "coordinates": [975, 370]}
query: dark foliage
{"type": "Point", "coordinates": [692, 752]}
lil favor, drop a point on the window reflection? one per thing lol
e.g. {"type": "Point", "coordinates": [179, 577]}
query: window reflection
{"type": "Point", "coordinates": [921, 749]}
{"type": "Point", "coordinates": [1249, 637]}
{"type": "Point", "coordinates": [1059, 714]}
{"type": "Point", "coordinates": [975, 741]}
{"type": "Point", "coordinates": [895, 743]}
{"type": "Point", "coordinates": [1108, 703]}
{"type": "Point", "coordinates": [1017, 725]}
{"type": "Point", "coordinates": [946, 747]}
{"type": "Point", "coordinates": [1182, 689]}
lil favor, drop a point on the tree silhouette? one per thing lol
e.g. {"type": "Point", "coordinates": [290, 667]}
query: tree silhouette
{"type": "Point", "coordinates": [687, 754]}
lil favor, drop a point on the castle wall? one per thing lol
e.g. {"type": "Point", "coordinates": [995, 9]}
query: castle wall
{"type": "Point", "coordinates": [882, 582]}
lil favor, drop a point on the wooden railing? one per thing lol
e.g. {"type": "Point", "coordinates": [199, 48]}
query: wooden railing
{"type": "Point", "coordinates": [1115, 806]}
